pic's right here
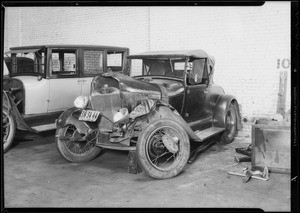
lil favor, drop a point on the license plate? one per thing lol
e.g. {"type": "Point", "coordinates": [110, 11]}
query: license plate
{"type": "Point", "coordinates": [89, 115]}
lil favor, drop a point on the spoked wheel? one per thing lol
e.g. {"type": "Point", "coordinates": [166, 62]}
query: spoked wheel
{"type": "Point", "coordinates": [230, 125]}
{"type": "Point", "coordinates": [8, 129]}
{"type": "Point", "coordinates": [163, 149]}
{"type": "Point", "coordinates": [72, 148]}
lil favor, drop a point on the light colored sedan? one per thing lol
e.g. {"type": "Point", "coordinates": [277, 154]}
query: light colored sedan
{"type": "Point", "coordinates": [44, 80]}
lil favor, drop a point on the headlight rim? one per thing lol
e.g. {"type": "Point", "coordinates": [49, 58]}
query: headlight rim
{"type": "Point", "coordinates": [81, 101]}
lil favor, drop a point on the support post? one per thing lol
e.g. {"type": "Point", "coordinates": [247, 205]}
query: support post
{"type": "Point", "coordinates": [282, 93]}
{"type": "Point", "coordinates": [133, 165]}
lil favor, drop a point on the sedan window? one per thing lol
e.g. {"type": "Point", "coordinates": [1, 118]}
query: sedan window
{"type": "Point", "coordinates": [31, 63]}
{"type": "Point", "coordinates": [63, 62]}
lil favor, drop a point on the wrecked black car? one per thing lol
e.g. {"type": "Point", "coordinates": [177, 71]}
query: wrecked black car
{"type": "Point", "coordinates": [169, 100]}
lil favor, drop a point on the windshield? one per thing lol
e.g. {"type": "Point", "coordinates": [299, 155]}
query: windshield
{"type": "Point", "coordinates": [31, 63]}
{"type": "Point", "coordinates": [158, 67]}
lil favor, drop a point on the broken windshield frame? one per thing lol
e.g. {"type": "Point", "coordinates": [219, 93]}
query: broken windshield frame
{"type": "Point", "coordinates": [169, 67]}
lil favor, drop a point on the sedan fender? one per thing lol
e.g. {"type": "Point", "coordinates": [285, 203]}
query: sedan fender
{"type": "Point", "coordinates": [9, 104]}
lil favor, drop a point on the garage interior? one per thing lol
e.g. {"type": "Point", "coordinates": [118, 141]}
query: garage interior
{"type": "Point", "coordinates": [42, 178]}
{"type": "Point", "coordinates": [251, 46]}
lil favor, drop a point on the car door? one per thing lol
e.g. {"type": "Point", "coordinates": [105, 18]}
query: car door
{"type": "Point", "coordinates": [196, 92]}
{"type": "Point", "coordinates": [64, 82]}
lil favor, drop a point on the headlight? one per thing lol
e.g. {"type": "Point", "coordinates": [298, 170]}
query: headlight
{"type": "Point", "coordinates": [81, 101]}
{"type": "Point", "coordinates": [121, 116]}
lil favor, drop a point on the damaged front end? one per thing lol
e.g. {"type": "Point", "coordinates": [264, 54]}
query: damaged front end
{"type": "Point", "coordinates": [126, 126]}
{"type": "Point", "coordinates": [115, 114]}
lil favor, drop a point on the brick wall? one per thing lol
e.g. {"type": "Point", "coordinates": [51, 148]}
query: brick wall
{"type": "Point", "coordinates": [247, 42]}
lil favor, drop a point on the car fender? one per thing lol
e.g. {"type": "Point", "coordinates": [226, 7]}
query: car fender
{"type": "Point", "coordinates": [220, 109]}
{"type": "Point", "coordinates": [67, 118]}
{"type": "Point", "coordinates": [9, 104]}
{"type": "Point", "coordinates": [164, 110]}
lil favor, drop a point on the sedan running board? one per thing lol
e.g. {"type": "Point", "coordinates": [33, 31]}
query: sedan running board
{"type": "Point", "coordinates": [45, 127]}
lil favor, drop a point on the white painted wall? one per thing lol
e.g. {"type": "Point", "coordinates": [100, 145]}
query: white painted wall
{"type": "Point", "coordinates": [245, 41]}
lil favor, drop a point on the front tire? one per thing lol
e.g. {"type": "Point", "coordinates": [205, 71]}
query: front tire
{"type": "Point", "coordinates": [230, 125]}
{"type": "Point", "coordinates": [163, 149]}
{"type": "Point", "coordinates": [8, 129]}
{"type": "Point", "coordinates": [75, 151]}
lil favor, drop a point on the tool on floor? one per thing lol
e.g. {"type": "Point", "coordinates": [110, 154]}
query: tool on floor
{"type": "Point", "coordinates": [242, 159]}
{"type": "Point", "coordinates": [256, 174]}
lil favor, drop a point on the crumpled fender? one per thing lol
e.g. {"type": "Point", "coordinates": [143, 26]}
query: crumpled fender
{"type": "Point", "coordinates": [10, 105]}
{"type": "Point", "coordinates": [161, 109]}
{"type": "Point", "coordinates": [220, 110]}
{"type": "Point", "coordinates": [67, 118]}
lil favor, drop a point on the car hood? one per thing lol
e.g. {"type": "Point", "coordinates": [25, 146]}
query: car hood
{"type": "Point", "coordinates": [128, 84]}
{"type": "Point", "coordinates": [132, 91]}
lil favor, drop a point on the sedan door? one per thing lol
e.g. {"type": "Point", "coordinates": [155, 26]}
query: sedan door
{"type": "Point", "coordinates": [65, 84]}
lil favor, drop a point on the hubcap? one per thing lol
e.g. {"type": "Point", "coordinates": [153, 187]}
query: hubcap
{"type": "Point", "coordinates": [163, 147]}
{"type": "Point", "coordinates": [76, 147]}
{"type": "Point", "coordinates": [230, 122]}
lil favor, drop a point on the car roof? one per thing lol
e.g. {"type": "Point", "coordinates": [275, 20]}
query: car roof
{"type": "Point", "coordinates": [67, 46]}
{"type": "Point", "coordinates": [173, 53]}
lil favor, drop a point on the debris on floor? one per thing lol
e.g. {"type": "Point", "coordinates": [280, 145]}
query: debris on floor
{"type": "Point", "coordinates": [199, 150]}
{"type": "Point", "coordinates": [244, 151]}
{"type": "Point", "coordinates": [255, 174]}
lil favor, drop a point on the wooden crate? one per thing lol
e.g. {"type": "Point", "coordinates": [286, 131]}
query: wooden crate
{"type": "Point", "coordinates": [271, 146]}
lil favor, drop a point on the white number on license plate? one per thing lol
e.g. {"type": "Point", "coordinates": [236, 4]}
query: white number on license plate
{"type": "Point", "coordinates": [89, 115]}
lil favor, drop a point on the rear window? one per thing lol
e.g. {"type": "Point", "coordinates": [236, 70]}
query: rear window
{"type": "Point", "coordinates": [115, 61]}
{"type": "Point", "coordinates": [93, 62]}
{"type": "Point", "coordinates": [31, 63]}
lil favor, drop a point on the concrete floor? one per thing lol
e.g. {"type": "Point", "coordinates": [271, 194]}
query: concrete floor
{"type": "Point", "coordinates": [35, 175]}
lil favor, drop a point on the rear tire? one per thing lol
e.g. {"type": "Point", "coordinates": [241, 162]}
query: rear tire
{"type": "Point", "coordinates": [157, 159]}
{"type": "Point", "coordinates": [230, 125]}
{"type": "Point", "coordinates": [75, 151]}
{"type": "Point", "coordinates": [8, 129]}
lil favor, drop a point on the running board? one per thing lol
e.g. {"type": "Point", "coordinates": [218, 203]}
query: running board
{"type": "Point", "coordinates": [206, 133]}
{"type": "Point", "coordinates": [45, 127]}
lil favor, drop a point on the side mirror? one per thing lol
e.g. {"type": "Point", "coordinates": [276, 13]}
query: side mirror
{"type": "Point", "coordinates": [39, 77]}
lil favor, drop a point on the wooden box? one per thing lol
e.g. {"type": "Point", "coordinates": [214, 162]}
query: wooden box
{"type": "Point", "coordinates": [271, 146]}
